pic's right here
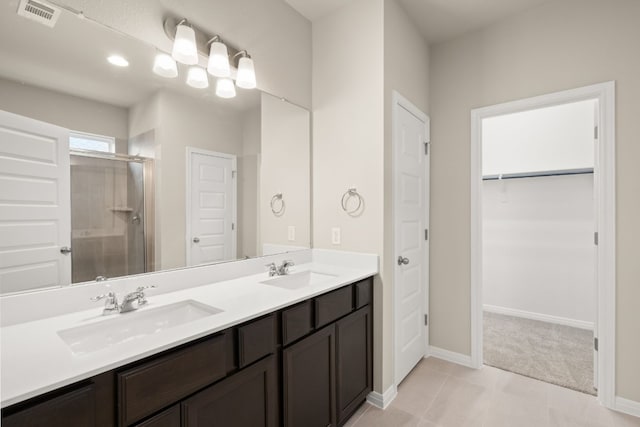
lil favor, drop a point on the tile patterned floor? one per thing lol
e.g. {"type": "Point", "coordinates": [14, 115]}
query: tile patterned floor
{"type": "Point", "coordinates": [442, 394]}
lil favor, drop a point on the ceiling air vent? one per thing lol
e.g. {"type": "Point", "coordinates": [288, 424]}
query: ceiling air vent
{"type": "Point", "coordinates": [39, 11]}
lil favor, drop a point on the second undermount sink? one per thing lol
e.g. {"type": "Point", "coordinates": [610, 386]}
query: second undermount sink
{"type": "Point", "coordinates": [123, 328]}
{"type": "Point", "coordinates": [298, 280]}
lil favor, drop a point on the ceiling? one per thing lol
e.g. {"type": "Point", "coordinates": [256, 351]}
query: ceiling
{"type": "Point", "coordinates": [437, 20]}
{"type": "Point", "coordinates": [71, 57]}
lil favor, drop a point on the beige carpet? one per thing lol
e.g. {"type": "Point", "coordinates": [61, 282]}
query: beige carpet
{"type": "Point", "coordinates": [548, 352]}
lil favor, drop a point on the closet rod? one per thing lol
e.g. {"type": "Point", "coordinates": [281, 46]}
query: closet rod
{"type": "Point", "coordinates": [538, 174]}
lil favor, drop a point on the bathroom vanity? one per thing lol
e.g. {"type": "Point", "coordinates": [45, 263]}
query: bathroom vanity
{"type": "Point", "coordinates": [306, 361]}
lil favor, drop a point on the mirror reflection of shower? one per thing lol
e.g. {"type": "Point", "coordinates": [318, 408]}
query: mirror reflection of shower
{"type": "Point", "coordinates": [110, 215]}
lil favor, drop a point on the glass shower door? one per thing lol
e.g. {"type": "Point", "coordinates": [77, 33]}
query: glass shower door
{"type": "Point", "coordinates": [107, 217]}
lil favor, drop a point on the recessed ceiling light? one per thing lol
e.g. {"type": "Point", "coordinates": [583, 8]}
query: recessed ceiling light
{"type": "Point", "coordinates": [118, 61]}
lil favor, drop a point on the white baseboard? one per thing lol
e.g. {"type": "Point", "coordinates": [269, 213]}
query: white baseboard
{"type": "Point", "coordinates": [382, 400]}
{"type": "Point", "coordinates": [627, 406]}
{"type": "Point", "coordinates": [538, 316]}
{"type": "Point", "coordinates": [450, 356]}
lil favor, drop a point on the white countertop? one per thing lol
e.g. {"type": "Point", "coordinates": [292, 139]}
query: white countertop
{"type": "Point", "coordinates": [35, 360]}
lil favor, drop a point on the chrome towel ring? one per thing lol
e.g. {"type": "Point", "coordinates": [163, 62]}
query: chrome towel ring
{"type": "Point", "coordinates": [349, 194]}
{"type": "Point", "coordinates": [277, 204]}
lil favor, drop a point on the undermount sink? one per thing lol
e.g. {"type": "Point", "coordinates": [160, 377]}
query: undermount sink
{"type": "Point", "coordinates": [127, 327]}
{"type": "Point", "coordinates": [298, 280]}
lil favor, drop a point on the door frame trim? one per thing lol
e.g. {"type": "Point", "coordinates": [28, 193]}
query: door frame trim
{"type": "Point", "coordinates": [398, 101]}
{"type": "Point", "coordinates": [234, 192]}
{"type": "Point", "coordinates": [605, 223]}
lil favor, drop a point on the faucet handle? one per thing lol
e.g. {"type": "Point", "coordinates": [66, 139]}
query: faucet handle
{"type": "Point", "coordinates": [111, 303]}
{"type": "Point", "coordinates": [103, 296]}
{"type": "Point", "coordinates": [273, 270]}
{"type": "Point", "coordinates": [141, 296]}
{"type": "Point", "coordinates": [284, 268]}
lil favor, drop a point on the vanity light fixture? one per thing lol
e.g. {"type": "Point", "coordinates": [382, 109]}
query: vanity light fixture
{"type": "Point", "coordinates": [218, 64]}
{"type": "Point", "coordinates": [197, 78]}
{"type": "Point", "coordinates": [225, 88]}
{"type": "Point", "coordinates": [185, 49]}
{"type": "Point", "coordinates": [224, 61]}
{"type": "Point", "coordinates": [118, 61]}
{"type": "Point", "coordinates": [165, 66]}
{"type": "Point", "coordinates": [246, 78]}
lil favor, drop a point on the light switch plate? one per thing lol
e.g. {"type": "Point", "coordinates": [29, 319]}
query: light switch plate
{"type": "Point", "coordinates": [335, 236]}
{"type": "Point", "coordinates": [291, 233]}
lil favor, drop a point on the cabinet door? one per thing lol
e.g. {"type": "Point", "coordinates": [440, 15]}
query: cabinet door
{"type": "Point", "coordinates": [167, 418]}
{"type": "Point", "coordinates": [246, 399]}
{"type": "Point", "coordinates": [309, 381]}
{"type": "Point", "coordinates": [72, 409]}
{"type": "Point", "coordinates": [353, 361]}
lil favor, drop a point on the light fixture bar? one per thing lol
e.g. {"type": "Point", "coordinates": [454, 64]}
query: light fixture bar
{"type": "Point", "coordinates": [202, 38]}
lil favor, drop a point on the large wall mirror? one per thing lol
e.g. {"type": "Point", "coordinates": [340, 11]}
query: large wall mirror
{"type": "Point", "coordinates": [160, 175]}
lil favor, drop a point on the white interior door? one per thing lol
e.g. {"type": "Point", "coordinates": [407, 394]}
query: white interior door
{"type": "Point", "coordinates": [596, 203]}
{"type": "Point", "coordinates": [211, 230]}
{"type": "Point", "coordinates": [411, 192]}
{"type": "Point", "coordinates": [35, 217]}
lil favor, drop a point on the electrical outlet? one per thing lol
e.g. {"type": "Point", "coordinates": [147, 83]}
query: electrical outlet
{"type": "Point", "coordinates": [291, 233]}
{"type": "Point", "coordinates": [335, 236]}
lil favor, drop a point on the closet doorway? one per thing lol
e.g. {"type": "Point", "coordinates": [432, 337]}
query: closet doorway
{"type": "Point", "coordinates": [543, 280]}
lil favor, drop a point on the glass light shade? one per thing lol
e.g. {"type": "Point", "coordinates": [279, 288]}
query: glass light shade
{"type": "Point", "coordinates": [184, 46]}
{"type": "Point", "coordinates": [225, 88]}
{"type": "Point", "coordinates": [246, 74]}
{"type": "Point", "coordinates": [197, 77]}
{"type": "Point", "coordinates": [165, 66]}
{"type": "Point", "coordinates": [118, 61]}
{"type": "Point", "coordinates": [219, 60]}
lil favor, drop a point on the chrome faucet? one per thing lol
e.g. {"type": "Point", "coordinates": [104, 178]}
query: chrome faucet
{"type": "Point", "coordinates": [284, 267]}
{"type": "Point", "coordinates": [281, 270]}
{"type": "Point", "coordinates": [131, 301]}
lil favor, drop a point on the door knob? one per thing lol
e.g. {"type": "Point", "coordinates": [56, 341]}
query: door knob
{"type": "Point", "coordinates": [65, 250]}
{"type": "Point", "coordinates": [196, 240]}
{"type": "Point", "coordinates": [402, 260]}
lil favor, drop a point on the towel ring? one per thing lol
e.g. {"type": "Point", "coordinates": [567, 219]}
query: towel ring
{"type": "Point", "coordinates": [351, 192]}
{"type": "Point", "coordinates": [277, 204]}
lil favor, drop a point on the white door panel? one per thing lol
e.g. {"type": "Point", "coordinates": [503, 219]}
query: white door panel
{"type": "Point", "coordinates": [34, 204]}
{"type": "Point", "coordinates": [211, 225]}
{"type": "Point", "coordinates": [410, 222]}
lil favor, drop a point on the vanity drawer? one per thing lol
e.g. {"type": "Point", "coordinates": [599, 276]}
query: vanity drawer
{"type": "Point", "coordinates": [256, 339]}
{"type": "Point", "coordinates": [72, 409]}
{"type": "Point", "coordinates": [154, 385]}
{"type": "Point", "coordinates": [362, 292]}
{"type": "Point", "coordinates": [333, 305]}
{"type": "Point", "coordinates": [297, 322]}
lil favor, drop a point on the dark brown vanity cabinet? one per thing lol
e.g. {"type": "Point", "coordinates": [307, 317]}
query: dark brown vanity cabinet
{"type": "Point", "coordinates": [309, 393]}
{"type": "Point", "coordinates": [327, 375]}
{"type": "Point", "coordinates": [246, 399]}
{"type": "Point", "coordinates": [306, 365]}
{"type": "Point", "coordinates": [152, 386]}
{"type": "Point", "coordinates": [354, 369]}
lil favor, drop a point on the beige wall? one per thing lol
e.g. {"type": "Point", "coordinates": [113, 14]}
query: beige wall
{"type": "Point", "coordinates": [352, 137]}
{"type": "Point", "coordinates": [249, 185]}
{"type": "Point", "coordinates": [64, 110]}
{"type": "Point", "coordinates": [556, 46]}
{"type": "Point", "coordinates": [285, 168]}
{"type": "Point", "coordinates": [181, 122]}
{"type": "Point", "coordinates": [348, 138]}
{"type": "Point", "coordinates": [406, 70]}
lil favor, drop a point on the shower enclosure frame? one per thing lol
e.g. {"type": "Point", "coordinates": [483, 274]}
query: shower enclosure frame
{"type": "Point", "coordinates": [148, 198]}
